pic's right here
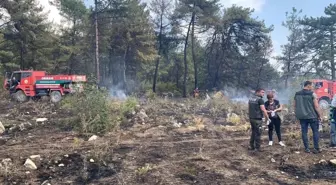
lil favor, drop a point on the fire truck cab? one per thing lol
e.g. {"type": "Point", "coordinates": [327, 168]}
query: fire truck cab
{"type": "Point", "coordinates": [325, 90]}
{"type": "Point", "coordinates": [35, 84]}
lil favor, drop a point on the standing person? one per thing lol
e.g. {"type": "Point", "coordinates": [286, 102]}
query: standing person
{"type": "Point", "coordinates": [196, 92]}
{"type": "Point", "coordinates": [332, 119]}
{"type": "Point", "coordinates": [15, 83]}
{"type": "Point", "coordinates": [256, 112]}
{"type": "Point", "coordinates": [273, 106]}
{"type": "Point", "coordinates": [308, 113]}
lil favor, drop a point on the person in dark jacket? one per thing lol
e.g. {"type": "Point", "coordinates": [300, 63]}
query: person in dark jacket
{"type": "Point", "coordinates": [15, 83]}
{"type": "Point", "coordinates": [332, 121]}
{"type": "Point", "coordinates": [308, 113]}
{"type": "Point", "coordinates": [257, 112]}
{"type": "Point", "coordinates": [273, 106]}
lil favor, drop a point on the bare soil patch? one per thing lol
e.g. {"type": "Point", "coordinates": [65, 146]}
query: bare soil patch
{"type": "Point", "coordinates": [180, 143]}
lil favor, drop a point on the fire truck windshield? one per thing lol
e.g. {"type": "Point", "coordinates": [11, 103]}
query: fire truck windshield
{"type": "Point", "coordinates": [318, 85]}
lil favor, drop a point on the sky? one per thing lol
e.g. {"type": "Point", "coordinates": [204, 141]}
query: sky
{"type": "Point", "coordinates": [272, 11]}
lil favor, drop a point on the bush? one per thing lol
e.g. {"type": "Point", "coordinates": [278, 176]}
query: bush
{"type": "Point", "coordinates": [128, 106]}
{"type": "Point", "coordinates": [150, 94]}
{"type": "Point", "coordinates": [167, 87]}
{"type": "Point", "coordinates": [219, 107]}
{"type": "Point", "coordinates": [95, 112]}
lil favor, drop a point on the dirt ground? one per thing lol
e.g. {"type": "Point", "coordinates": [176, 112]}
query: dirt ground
{"type": "Point", "coordinates": [179, 143]}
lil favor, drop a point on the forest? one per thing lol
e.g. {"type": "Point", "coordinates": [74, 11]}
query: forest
{"type": "Point", "coordinates": [165, 46]}
{"type": "Point", "coordinates": [146, 51]}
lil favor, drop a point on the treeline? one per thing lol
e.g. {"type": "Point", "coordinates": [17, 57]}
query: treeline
{"type": "Point", "coordinates": [164, 45]}
{"type": "Point", "coordinates": [310, 49]}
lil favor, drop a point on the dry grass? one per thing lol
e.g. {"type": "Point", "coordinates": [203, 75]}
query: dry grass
{"type": "Point", "coordinates": [205, 153]}
{"type": "Point", "coordinates": [237, 128]}
{"type": "Point", "coordinates": [7, 168]}
{"type": "Point", "coordinates": [141, 171]}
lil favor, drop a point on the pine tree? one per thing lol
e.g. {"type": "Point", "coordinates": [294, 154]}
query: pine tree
{"type": "Point", "coordinates": [29, 32]}
{"type": "Point", "coordinates": [200, 13]}
{"type": "Point", "coordinates": [320, 41]}
{"type": "Point", "coordinates": [293, 56]}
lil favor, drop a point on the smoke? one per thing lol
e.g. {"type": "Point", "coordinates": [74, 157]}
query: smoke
{"type": "Point", "coordinates": [237, 95]}
{"type": "Point", "coordinates": [243, 95]}
{"type": "Point", "coordinates": [243, 99]}
{"type": "Point", "coordinates": [117, 92]}
{"type": "Point", "coordinates": [284, 95]}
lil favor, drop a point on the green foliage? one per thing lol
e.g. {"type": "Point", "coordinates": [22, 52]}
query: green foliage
{"type": "Point", "coordinates": [238, 51]}
{"type": "Point", "coordinates": [293, 57]}
{"type": "Point", "coordinates": [95, 112]}
{"type": "Point", "coordinates": [150, 94]}
{"type": "Point", "coordinates": [128, 106]}
{"type": "Point", "coordinates": [73, 10]}
{"type": "Point", "coordinates": [144, 170]}
{"type": "Point", "coordinates": [167, 87]}
{"type": "Point", "coordinates": [319, 42]}
{"type": "Point", "coordinates": [134, 47]}
{"type": "Point", "coordinates": [218, 107]}
{"type": "Point", "coordinates": [91, 109]}
{"type": "Point", "coordinates": [130, 43]}
{"type": "Point", "coordinates": [29, 41]}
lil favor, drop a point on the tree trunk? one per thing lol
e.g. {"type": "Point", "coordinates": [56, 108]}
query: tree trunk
{"type": "Point", "coordinates": [185, 62]}
{"type": "Point", "coordinates": [21, 56]}
{"type": "Point", "coordinates": [288, 71]}
{"type": "Point", "coordinates": [193, 49]}
{"type": "Point", "coordinates": [332, 53]}
{"type": "Point", "coordinates": [124, 85]}
{"type": "Point", "coordinates": [97, 43]}
{"type": "Point", "coordinates": [158, 59]}
{"type": "Point", "coordinates": [260, 70]}
{"type": "Point", "coordinates": [71, 58]}
{"type": "Point", "coordinates": [177, 74]}
{"type": "Point", "coordinates": [289, 64]}
{"type": "Point", "coordinates": [210, 53]}
{"type": "Point", "coordinates": [286, 81]}
{"type": "Point", "coordinates": [110, 66]}
{"type": "Point", "coordinates": [216, 77]}
{"type": "Point", "coordinates": [73, 43]}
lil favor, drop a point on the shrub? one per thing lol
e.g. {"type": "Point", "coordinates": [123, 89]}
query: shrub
{"type": "Point", "coordinates": [168, 87]}
{"type": "Point", "coordinates": [218, 107]}
{"type": "Point", "coordinates": [128, 106]}
{"type": "Point", "coordinates": [150, 94]}
{"type": "Point", "coordinates": [95, 112]}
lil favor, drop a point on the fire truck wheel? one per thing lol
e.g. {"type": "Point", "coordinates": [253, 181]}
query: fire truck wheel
{"type": "Point", "coordinates": [324, 104]}
{"type": "Point", "coordinates": [55, 96]}
{"type": "Point", "coordinates": [20, 96]}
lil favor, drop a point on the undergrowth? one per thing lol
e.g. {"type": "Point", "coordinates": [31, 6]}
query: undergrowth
{"type": "Point", "coordinates": [95, 111]}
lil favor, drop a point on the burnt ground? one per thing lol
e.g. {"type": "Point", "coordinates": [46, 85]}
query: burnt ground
{"type": "Point", "coordinates": [157, 152]}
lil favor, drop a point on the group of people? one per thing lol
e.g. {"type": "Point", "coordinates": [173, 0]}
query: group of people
{"type": "Point", "coordinates": [306, 111]}
{"type": "Point", "coordinates": [269, 110]}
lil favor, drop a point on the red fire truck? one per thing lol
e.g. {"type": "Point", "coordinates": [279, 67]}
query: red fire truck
{"type": "Point", "coordinates": [325, 90]}
{"type": "Point", "coordinates": [35, 84]}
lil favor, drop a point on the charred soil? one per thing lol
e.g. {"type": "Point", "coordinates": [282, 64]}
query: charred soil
{"type": "Point", "coordinates": [179, 142]}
